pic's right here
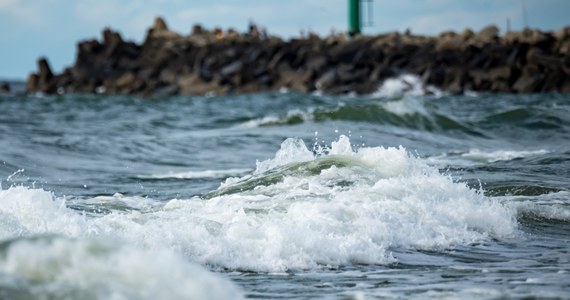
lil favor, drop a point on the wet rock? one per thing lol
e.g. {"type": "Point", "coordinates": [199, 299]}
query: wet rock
{"type": "Point", "coordinates": [537, 57]}
{"type": "Point", "coordinates": [125, 80]}
{"type": "Point", "coordinates": [565, 86]}
{"type": "Point", "coordinates": [502, 73]}
{"type": "Point", "coordinates": [167, 90]}
{"type": "Point", "coordinates": [326, 81]}
{"type": "Point", "coordinates": [455, 80]}
{"type": "Point", "coordinates": [293, 80]}
{"type": "Point", "coordinates": [232, 68]}
{"type": "Point", "coordinates": [552, 80]}
{"type": "Point", "coordinates": [529, 81]}
{"type": "Point", "coordinates": [193, 85]}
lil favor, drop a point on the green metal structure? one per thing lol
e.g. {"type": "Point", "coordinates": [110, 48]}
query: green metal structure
{"type": "Point", "coordinates": [353, 17]}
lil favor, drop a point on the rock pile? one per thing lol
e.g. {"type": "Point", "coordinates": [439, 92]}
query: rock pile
{"type": "Point", "coordinates": [169, 63]}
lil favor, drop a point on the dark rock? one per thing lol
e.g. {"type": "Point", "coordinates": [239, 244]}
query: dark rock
{"type": "Point", "coordinates": [232, 68]}
{"type": "Point", "coordinates": [487, 35]}
{"type": "Point", "coordinates": [4, 87]}
{"type": "Point", "coordinates": [293, 80]}
{"type": "Point", "coordinates": [167, 90]}
{"type": "Point", "coordinates": [345, 52]}
{"type": "Point", "coordinates": [44, 77]}
{"type": "Point", "coordinates": [193, 85]}
{"type": "Point", "coordinates": [501, 87]}
{"type": "Point", "coordinates": [204, 62]}
{"type": "Point", "coordinates": [32, 84]}
{"type": "Point", "coordinates": [454, 80]}
{"type": "Point", "coordinates": [500, 73]}
{"type": "Point", "coordinates": [529, 81]}
{"type": "Point", "coordinates": [326, 81]}
{"type": "Point", "coordinates": [111, 41]}
{"type": "Point", "coordinates": [125, 80]}
{"type": "Point", "coordinates": [159, 24]}
{"type": "Point", "coordinates": [317, 63]}
{"type": "Point", "coordinates": [565, 86]}
{"type": "Point", "coordinates": [552, 80]}
{"type": "Point", "coordinates": [537, 56]}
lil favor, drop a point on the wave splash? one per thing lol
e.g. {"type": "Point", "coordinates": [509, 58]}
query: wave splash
{"type": "Point", "coordinates": [406, 85]}
{"type": "Point", "coordinates": [302, 209]}
{"type": "Point", "coordinates": [341, 206]}
{"type": "Point", "coordinates": [54, 267]}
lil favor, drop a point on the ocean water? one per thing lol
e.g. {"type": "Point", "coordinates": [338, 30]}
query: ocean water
{"type": "Point", "coordinates": [408, 193]}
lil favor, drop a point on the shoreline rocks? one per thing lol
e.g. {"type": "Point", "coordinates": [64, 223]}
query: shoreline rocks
{"type": "Point", "coordinates": [168, 63]}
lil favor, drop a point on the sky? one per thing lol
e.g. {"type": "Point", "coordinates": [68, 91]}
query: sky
{"type": "Point", "coordinates": [52, 28]}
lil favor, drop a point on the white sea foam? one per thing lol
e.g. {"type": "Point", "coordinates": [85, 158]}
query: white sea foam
{"type": "Point", "coordinates": [85, 268]}
{"type": "Point", "coordinates": [199, 174]}
{"type": "Point", "coordinates": [552, 206]}
{"type": "Point", "coordinates": [61, 268]}
{"type": "Point", "coordinates": [405, 85]}
{"type": "Point", "coordinates": [477, 156]}
{"type": "Point", "coordinates": [273, 120]}
{"type": "Point", "coordinates": [500, 155]}
{"type": "Point", "coordinates": [405, 106]}
{"type": "Point", "coordinates": [303, 212]}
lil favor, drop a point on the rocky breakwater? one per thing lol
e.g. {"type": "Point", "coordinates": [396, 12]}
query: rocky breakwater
{"type": "Point", "coordinates": [217, 62]}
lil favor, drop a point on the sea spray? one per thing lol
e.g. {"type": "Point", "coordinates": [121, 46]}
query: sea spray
{"type": "Point", "coordinates": [297, 210]}
{"type": "Point", "coordinates": [301, 211]}
{"type": "Point", "coordinates": [55, 267]}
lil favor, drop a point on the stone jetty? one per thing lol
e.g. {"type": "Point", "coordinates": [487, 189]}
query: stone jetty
{"type": "Point", "coordinates": [168, 63]}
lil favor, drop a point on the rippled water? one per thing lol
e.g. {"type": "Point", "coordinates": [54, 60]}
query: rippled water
{"type": "Point", "coordinates": [285, 195]}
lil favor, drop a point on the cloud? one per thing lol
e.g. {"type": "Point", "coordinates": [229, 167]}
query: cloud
{"type": "Point", "coordinates": [24, 12]}
{"type": "Point", "coordinates": [434, 16]}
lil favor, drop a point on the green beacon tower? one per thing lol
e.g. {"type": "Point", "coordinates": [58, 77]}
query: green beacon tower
{"type": "Point", "coordinates": [353, 17]}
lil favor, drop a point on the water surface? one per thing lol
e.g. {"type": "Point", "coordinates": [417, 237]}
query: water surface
{"type": "Point", "coordinates": [285, 195]}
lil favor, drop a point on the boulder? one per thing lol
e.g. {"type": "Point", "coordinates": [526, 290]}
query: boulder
{"type": "Point", "coordinates": [44, 76]}
{"type": "Point", "coordinates": [32, 84]}
{"type": "Point", "coordinates": [326, 81]}
{"type": "Point", "coordinates": [529, 81]}
{"type": "Point", "coordinates": [565, 86]}
{"type": "Point", "coordinates": [159, 24]}
{"type": "Point", "coordinates": [160, 31]}
{"type": "Point", "coordinates": [450, 42]}
{"type": "Point", "coordinates": [192, 84]}
{"type": "Point", "coordinates": [4, 87]}
{"type": "Point", "coordinates": [222, 62]}
{"type": "Point", "coordinates": [125, 80]}
{"type": "Point", "coordinates": [231, 68]}
{"type": "Point", "coordinates": [487, 35]}
{"type": "Point", "coordinates": [502, 73]}
{"type": "Point", "coordinates": [111, 41]}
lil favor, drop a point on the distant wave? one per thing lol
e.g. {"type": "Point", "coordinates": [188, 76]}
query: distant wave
{"type": "Point", "coordinates": [551, 207]}
{"type": "Point", "coordinates": [477, 156]}
{"type": "Point", "coordinates": [500, 155]}
{"type": "Point", "coordinates": [197, 174]}
{"type": "Point", "coordinates": [404, 112]}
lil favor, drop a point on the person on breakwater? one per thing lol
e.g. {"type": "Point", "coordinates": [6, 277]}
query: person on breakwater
{"type": "Point", "coordinates": [253, 31]}
{"type": "Point", "coordinates": [219, 33]}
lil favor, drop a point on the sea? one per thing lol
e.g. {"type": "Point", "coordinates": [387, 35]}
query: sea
{"type": "Point", "coordinates": [406, 193]}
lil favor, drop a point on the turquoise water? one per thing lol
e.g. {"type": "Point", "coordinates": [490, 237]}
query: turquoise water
{"type": "Point", "coordinates": [285, 195]}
